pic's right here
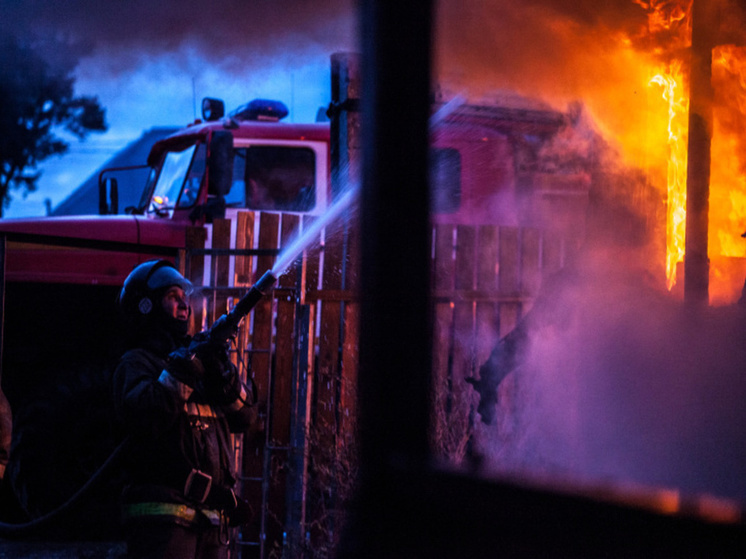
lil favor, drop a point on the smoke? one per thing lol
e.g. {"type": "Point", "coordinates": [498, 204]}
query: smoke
{"type": "Point", "coordinates": [535, 47]}
{"type": "Point", "coordinates": [622, 384]}
{"type": "Point", "coordinates": [135, 55]}
{"type": "Point", "coordinates": [225, 31]}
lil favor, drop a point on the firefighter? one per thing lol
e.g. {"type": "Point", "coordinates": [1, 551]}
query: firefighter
{"type": "Point", "coordinates": [177, 399]}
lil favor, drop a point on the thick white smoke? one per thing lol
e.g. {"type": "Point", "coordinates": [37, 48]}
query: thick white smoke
{"type": "Point", "coordinates": [623, 384]}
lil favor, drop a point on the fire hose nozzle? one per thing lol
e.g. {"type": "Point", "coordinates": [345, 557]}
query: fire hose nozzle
{"type": "Point", "coordinates": [226, 326]}
{"type": "Point", "coordinates": [255, 294]}
{"type": "Point", "coordinates": [265, 282]}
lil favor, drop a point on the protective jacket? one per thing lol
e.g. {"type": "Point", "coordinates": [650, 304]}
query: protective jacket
{"type": "Point", "coordinates": [179, 458]}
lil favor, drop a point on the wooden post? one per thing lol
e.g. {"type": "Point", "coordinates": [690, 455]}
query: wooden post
{"type": "Point", "coordinates": [344, 120]}
{"type": "Point", "coordinates": [696, 261]}
{"type": "Point", "coordinates": [395, 323]}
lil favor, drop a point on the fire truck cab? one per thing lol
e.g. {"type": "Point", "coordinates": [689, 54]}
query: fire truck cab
{"type": "Point", "coordinates": [204, 171]}
{"type": "Point", "coordinates": [256, 164]}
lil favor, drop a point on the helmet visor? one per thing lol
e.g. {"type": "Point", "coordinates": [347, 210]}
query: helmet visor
{"type": "Point", "coordinates": [166, 276]}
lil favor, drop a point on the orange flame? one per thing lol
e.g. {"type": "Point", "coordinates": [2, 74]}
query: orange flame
{"type": "Point", "coordinates": [727, 216]}
{"type": "Point", "coordinates": [728, 183]}
{"type": "Point", "coordinates": [678, 109]}
{"type": "Point", "coordinates": [664, 15]}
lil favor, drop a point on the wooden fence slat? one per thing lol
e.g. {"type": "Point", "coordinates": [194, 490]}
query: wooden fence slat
{"type": "Point", "coordinates": [325, 451]}
{"type": "Point", "coordinates": [486, 315]}
{"type": "Point", "coordinates": [244, 240]}
{"type": "Point", "coordinates": [353, 253]}
{"type": "Point", "coordinates": [261, 360]}
{"type": "Point", "coordinates": [288, 231]}
{"type": "Point", "coordinates": [443, 271]}
{"type": "Point", "coordinates": [463, 312]}
{"type": "Point", "coordinates": [442, 351]}
{"type": "Point", "coordinates": [284, 340]}
{"type": "Point", "coordinates": [530, 261]}
{"type": "Point", "coordinates": [510, 314]}
{"type": "Point", "coordinates": [463, 342]}
{"type": "Point", "coordinates": [348, 396]}
{"type": "Point", "coordinates": [330, 334]}
{"type": "Point", "coordinates": [269, 224]}
{"type": "Point", "coordinates": [221, 238]}
{"type": "Point", "coordinates": [509, 280]}
{"type": "Point", "coordinates": [283, 370]}
{"type": "Point", "coordinates": [466, 244]}
{"type": "Point", "coordinates": [261, 332]}
{"type": "Point", "coordinates": [243, 267]}
{"type": "Point", "coordinates": [312, 262]}
{"type": "Point", "coordinates": [487, 261]}
{"type": "Point", "coordinates": [349, 373]}
{"type": "Point", "coordinates": [509, 260]}
{"type": "Point", "coordinates": [195, 239]}
{"type": "Point", "coordinates": [444, 265]}
{"type": "Point", "coordinates": [552, 255]}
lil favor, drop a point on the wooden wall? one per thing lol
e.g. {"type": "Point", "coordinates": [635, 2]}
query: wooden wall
{"type": "Point", "coordinates": [299, 345]}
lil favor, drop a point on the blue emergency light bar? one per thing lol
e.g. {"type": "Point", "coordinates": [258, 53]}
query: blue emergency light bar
{"type": "Point", "coordinates": [261, 109]}
{"type": "Point", "coordinates": [258, 109]}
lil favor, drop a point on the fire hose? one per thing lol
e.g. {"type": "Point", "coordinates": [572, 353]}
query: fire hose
{"type": "Point", "coordinates": [223, 329]}
{"type": "Point", "coordinates": [26, 528]}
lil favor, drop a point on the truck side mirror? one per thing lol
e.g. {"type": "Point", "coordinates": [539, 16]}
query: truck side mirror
{"type": "Point", "coordinates": [108, 196]}
{"type": "Point", "coordinates": [220, 163]}
{"type": "Point", "coordinates": [212, 109]}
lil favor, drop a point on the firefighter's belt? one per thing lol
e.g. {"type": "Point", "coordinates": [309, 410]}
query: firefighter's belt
{"type": "Point", "coordinates": [183, 512]}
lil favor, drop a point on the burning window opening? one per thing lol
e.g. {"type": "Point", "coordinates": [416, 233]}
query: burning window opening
{"type": "Point", "coordinates": [671, 22]}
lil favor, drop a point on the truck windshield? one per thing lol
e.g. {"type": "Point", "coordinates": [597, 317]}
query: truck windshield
{"type": "Point", "coordinates": [279, 178]}
{"type": "Point", "coordinates": [179, 169]}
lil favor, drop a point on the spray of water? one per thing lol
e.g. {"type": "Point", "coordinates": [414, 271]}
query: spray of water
{"type": "Point", "coordinates": [446, 110]}
{"type": "Point", "coordinates": [299, 244]}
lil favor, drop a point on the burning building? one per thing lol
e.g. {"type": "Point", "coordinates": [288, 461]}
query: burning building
{"type": "Point", "coordinates": [609, 377]}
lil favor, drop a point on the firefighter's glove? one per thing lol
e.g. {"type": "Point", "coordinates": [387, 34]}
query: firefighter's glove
{"type": "Point", "coordinates": [223, 330]}
{"type": "Point", "coordinates": [227, 389]}
{"type": "Point", "coordinates": [242, 514]}
{"type": "Point", "coordinates": [213, 355]}
{"type": "Point", "coordinates": [238, 510]}
{"type": "Point", "coordinates": [185, 366]}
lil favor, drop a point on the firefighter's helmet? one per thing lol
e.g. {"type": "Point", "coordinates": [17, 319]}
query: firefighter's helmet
{"type": "Point", "coordinates": [141, 289]}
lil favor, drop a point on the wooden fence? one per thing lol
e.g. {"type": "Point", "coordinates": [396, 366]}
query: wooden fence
{"type": "Point", "coordinates": [299, 345]}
